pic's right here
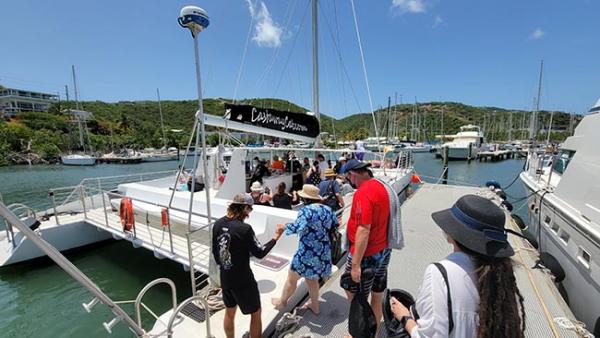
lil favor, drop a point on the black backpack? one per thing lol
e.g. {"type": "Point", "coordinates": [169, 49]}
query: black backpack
{"type": "Point", "coordinates": [330, 199]}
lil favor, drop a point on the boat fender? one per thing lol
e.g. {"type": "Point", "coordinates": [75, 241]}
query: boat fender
{"type": "Point", "coordinates": [126, 214]}
{"type": "Point", "coordinates": [501, 194]}
{"type": "Point", "coordinates": [416, 179]}
{"type": "Point", "coordinates": [519, 221]}
{"type": "Point", "coordinates": [597, 328]}
{"type": "Point", "coordinates": [507, 205]}
{"type": "Point", "coordinates": [531, 238]}
{"type": "Point", "coordinates": [553, 265]}
{"type": "Point", "coordinates": [164, 217]}
{"type": "Point", "coordinates": [493, 183]}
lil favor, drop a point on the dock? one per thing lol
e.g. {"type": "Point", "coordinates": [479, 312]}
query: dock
{"type": "Point", "coordinates": [425, 243]}
{"type": "Point", "coordinates": [494, 156]}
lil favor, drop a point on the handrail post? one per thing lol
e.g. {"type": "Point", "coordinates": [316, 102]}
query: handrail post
{"type": "Point", "coordinates": [181, 306]}
{"type": "Point", "coordinates": [170, 233]}
{"type": "Point", "coordinates": [53, 198]}
{"type": "Point", "coordinates": [138, 299]}
{"type": "Point", "coordinates": [104, 206]}
{"type": "Point", "coordinates": [191, 260]}
{"type": "Point", "coordinates": [82, 196]}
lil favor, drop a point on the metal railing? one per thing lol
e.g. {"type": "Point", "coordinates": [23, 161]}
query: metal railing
{"type": "Point", "coordinates": [199, 299]}
{"type": "Point", "coordinates": [72, 270]}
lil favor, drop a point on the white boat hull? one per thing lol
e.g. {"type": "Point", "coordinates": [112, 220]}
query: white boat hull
{"type": "Point", "coordinates": [462, 153]}
{"type": "Point", "coordinates": [78, 160]}
{"type": "Point", "coordinates": [159, 158]}
{"type": "Point", "coordinates": [69, 235]}
{"type": "Point", "coordinates": [560, 236]}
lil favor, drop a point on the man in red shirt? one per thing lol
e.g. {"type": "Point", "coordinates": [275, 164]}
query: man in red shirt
{"type": "Point", "coordinates": [367, 234]}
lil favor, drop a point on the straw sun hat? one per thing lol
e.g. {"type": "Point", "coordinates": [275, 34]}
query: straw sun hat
{"type": "Point", "coordinates": [309, 191]}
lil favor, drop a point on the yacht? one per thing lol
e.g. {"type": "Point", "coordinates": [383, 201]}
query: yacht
{"type": "Point", "coordinates": [564, 216]}
{"type": "Point", "coordinates": [78, 159]}
{"type": "Point", "coordinates": [465, 144]}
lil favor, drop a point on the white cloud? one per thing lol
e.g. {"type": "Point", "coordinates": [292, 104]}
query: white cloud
{"type": "Point", "coordinates": [437, 21]}
{"type": "Point", "coordinates": [537, 34]}
{"type": "Point", "coordinates": [267, 33]}
{"type": "Point", "coordinates": [409, 6]}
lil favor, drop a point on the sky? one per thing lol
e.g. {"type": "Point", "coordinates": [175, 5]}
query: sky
{"type": "Point", "coordinates": [483, 53]}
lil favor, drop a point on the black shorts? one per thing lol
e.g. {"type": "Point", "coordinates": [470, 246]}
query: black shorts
{"type": "Point", "coordinates": [246, 297]}
{"type": "Point", "coordinates": [379, 264]}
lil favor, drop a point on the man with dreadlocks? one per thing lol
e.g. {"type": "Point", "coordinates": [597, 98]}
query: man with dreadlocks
{"type": "Point", "coordinates": [472, 292]}
{"type": "Point", "coordinates": [233, 243]}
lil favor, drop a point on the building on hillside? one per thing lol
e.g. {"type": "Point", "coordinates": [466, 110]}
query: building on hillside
{"type": "Point", "coordinates": [14, 101]}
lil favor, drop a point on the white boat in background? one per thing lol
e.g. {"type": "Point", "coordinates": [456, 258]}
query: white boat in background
{"type": "Point", "coordinates": [465, 145]}
{"type": "Point", "coordinates": [78, 159]}
{"type": "Point", "coordinates": [153, 155]}
{"type": "Point", "coordinates": [416, 147]}
{"type": "Point", "coordinates": [564, 216]}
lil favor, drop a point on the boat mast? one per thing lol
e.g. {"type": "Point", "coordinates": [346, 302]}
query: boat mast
{"type": "Point", "coordinates": [162, 126]}
{"type": "Point", "coordinates": [77, 108]}
{"type": "Point", "coordinates": [315, 61]}
{"type": "Point", "coordinates": [534, 115]}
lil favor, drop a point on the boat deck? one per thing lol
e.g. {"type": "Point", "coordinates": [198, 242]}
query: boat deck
{"type": "Point", "coordinates": [168, 243]}
{"type": "Point", "coordinates": [425, 243]}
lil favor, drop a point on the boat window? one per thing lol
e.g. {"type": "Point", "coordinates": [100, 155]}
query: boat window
{"type": "Point", "coordinates": [584, 257]}
{"type": "Point", "coordinates": [562, 161]}
{"type": "Point", "coordinates": [564, 236]}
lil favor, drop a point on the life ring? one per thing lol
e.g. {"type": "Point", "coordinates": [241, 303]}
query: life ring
{"type": "Point", "coordinates": [126, 214]}
{"type": "Point", "coordinates": [164, 217]}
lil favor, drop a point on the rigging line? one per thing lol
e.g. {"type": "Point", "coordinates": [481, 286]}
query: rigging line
{"type": "Point", "coordinates": [341, 58]}
{"type": "Point", "coordinates": [364, 67]}
{"type": "Point", "coordinates": [292, 49]}
{"type": "Point", "coordinates": [337, 35]}
{"type": "Point", "coordinates": [269, 68]}
{"type": "Point", "coordinates": [239, 76]}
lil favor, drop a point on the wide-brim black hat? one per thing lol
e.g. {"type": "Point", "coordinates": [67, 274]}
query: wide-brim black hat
{"type": "Point", "coordinates": [477, 224]}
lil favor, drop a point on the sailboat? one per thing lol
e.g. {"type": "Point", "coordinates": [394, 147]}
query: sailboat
{"type": "Point", "coordinates": [165, 153]}
{"type": "Point", "coordinates": [80, 115]}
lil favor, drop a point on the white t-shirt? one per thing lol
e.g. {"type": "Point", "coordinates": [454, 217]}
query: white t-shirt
{"type": "Point", "coordinates": [322, 167]}
{"type": "Point", "coordinates": [360, 145]}
{"type": "Point", "coordinates": [432, 304]}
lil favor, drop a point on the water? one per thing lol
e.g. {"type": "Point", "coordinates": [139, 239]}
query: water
{"type": "Point", "coordinates": [39, 299]}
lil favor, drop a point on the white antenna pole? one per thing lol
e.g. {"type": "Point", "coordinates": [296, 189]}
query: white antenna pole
{"type": "Point", "coordinates": [315, 57]}
{"type": "Point", "coordinates": [534, 115]}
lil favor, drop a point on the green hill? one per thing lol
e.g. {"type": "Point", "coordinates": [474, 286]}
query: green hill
{"type": "Point", "coordinates": [135, 124]}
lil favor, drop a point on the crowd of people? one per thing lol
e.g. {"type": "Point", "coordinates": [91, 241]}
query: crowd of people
{"type": "Point", "coordinates": [470, 293]}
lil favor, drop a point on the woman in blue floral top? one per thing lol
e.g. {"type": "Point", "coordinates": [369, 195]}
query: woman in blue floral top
{"type": "Point", "coordinates": [312, 261]}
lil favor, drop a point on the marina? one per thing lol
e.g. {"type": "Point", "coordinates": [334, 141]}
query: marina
{"type": "Point", "coordinates": [135, 228]}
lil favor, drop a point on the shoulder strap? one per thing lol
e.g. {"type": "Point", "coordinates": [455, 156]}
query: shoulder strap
{"type": "Point", "coordinates": [445, 275]}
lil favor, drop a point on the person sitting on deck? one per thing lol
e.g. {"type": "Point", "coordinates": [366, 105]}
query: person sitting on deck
{"type": "Point", "coordinates": [233, 243]}
{"type": "Point", "coordinates": [277, 165]}
{"type": "Point", "coordinates": [258, 194]}
{"type": "Point", "coordinates": [260, 170]}
{"type": "Point", "coordinates": [477, 281]}
{"type": "Point", "coordinates": [312, 261]}
{"type": "Point", "coordinates": [282, 199]}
